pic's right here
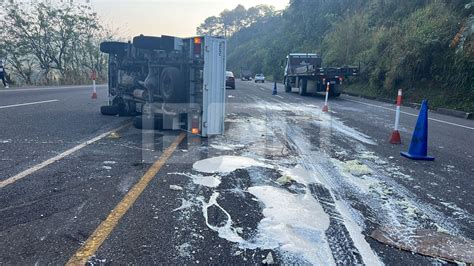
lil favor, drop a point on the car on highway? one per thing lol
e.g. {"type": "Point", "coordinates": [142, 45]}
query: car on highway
{"type": "Point", "coordinates": [229, 80]}
{"type": "Point", "coordinates": [259, 78]}
{"type": "Point", "coordinates": [245, 75]}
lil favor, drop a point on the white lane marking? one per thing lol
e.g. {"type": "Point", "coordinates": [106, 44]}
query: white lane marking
{"type": "Point", "coordinates": [52, 88]}
{"type": "Point", "coordinates": [261, 88]}
{"type": "Point", "coordinates": [415, 115]}
{"type": "Point", "coordinates": [56, 158]}
{"type": "Point", "coordinates": [279, 96]}
{"type": "Point", "coordinates": [24, 104]}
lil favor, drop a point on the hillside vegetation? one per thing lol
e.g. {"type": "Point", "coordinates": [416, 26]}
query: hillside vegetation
{"type": "Point", "coordinates": [422, 46]}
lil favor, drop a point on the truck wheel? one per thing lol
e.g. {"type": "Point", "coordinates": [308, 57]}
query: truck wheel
{"type": "Point", "coordinates": [145, 122]}
{"type": "Point", "coordinates": [287, 85]}
{"type": "Point", "coordinates": [109, 110]}
{"type": "Point", "coordinates": [303, 84]}
{"type": "Point", "coordinates": [172, 85]}
{"type": "Point", "coordinates": [113, 47]}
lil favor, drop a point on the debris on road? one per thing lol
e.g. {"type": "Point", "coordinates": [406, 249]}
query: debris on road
{"type": "Point", "coordinates": [185, 204]}
{"type": "Point", "coordinates": [176, 188]}
{"type": "Point", "coordinates": [212, 181]}
{"type": "Point", "coordinates": [268, 259]}
{"type": "Point", "coordinates": [113, 135]}
{"type": "Point", "coordinates": [428, 242]}
{"type": "Point", "coordinates": [284, 180]}
{"type": "Point", "coordinates": [356, 168]}
{"type": "Point", "coordinates": [225, 164]}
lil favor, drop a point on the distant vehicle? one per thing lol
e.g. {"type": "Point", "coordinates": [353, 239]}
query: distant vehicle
{"type": "Point", "coordinates": [304, 72]}
{"type": "Point", "coordinates": [168, 82]}
{"type": "Point", "coordinates": [259, 78]}
{"type": "Point", "coordinates": [229, 80]}
{"type": "Point", "coordinates": [245, 75]}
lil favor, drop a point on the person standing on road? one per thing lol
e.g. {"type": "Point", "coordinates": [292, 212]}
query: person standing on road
{"type": "Point", "coordinates": [3, 75]}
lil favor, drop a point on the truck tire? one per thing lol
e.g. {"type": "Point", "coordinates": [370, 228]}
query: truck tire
{"type": "Point", "coordinates": [303, 85]}
{"type": "Point", "coordinates": [109, 110]}
{"type": "Point", "coordinates": [118, 48]}
{"type": "Point", "coordinates": [287, 85]}
{"type": "Point", "coordinates": [172, 85]}
{"type": "Point", "coordinates": [145, 122]}
{"type": "Point", "coordinates": [126, 108]}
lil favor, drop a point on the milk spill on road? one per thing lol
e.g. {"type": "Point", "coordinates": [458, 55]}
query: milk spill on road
{"type": "Point", "coordinates": [297, 222]}
{"type": "Point", "coordinates": [211, 181]}
{"type": "Point", "coordinates": [359, 173]}
{"type": "Point", "coordinates": [225, 164]}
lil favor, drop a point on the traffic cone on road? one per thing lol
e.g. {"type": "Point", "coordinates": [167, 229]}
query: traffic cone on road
{"type": "Point", "coordinates": [94, 94]}
{"type": "Point", "coordinates": [325, 107]}
{"type": "Point", "coordinates": [275, 92]}
{"type": "Point", "coordinates": [395, 137]}
{"type": "Point", "coordinates": [419, 142]}
{"type": "Point", "coordinates": [94, 89]}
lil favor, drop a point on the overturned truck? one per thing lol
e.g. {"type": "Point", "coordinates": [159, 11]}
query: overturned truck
{"type": "Point", "coordinates": [168, 83]}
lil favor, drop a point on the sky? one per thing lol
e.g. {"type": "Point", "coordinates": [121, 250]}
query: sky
{"type": "Point", "coordinates": [166, 17]}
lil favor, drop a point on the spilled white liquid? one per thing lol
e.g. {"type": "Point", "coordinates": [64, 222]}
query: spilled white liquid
{"type": "Point", "coordinates": [225, 164]}
{"type": "Point", "coordinates": [227, 147]}
{"type": "Point", "coordinates": [212, 181]}
{"type": "Point", "coordinates": [295, 222]}
{"type": "Point", "coordinates": [226, 231]}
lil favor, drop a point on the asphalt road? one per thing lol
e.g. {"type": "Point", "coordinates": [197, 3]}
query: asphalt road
{"type": "Point", "coordinates": [50, 211]}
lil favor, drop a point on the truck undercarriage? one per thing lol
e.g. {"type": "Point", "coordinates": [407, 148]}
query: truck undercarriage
{"type": "Point", "coordinates": [161, 80]}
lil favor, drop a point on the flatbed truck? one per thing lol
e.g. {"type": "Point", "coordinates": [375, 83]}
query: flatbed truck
{"type": "Point", "coordinates": [305, 72]}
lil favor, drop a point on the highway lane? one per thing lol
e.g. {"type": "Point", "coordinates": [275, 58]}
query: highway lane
{"type": "Point", "coordinates": [448, 142]}
{"type": "Point", "coordinates": [47, 216]}
{"type": "Point", "coordinates": [39, 123]}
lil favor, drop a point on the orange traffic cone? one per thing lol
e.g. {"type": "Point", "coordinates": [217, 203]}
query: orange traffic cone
{"type": "Point", "coordinates": [395, 137]}
{"type": "Point", "coordinates": [325, 107]}
{"type": "Point", "coordinates": [94, 90]}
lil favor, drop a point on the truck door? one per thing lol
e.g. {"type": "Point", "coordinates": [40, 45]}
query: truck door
{"type": "Point", "coordinates": [214, 86]}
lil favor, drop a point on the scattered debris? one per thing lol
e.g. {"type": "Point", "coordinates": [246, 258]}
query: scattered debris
{"type": "Point", "coordinates": [428, 242]}
{"type": "Point", "coordinates": [268, 259]}
{"type": "Point", "coordinates": [113, 135]}
{"type": "Point", "coordinates": [227, 147]}
{"type": "Point", "coordinates": [237, 253]}
{"type": "Point", "coordinates": [285, 179]}
{"type": "Point", "coordinates": [185, 204]}
{"type": "Point", "coordinates": [225, 164]}
{"type": "Point", "coordinates": [356, 168]}
{"type": "Point", "coordinates": [212, 181]}
{"type": "Point", "coordinates": [176, 188]}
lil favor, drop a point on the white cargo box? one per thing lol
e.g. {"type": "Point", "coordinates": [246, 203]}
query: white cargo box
{"type": "Point", "coordinates": [214, 86]}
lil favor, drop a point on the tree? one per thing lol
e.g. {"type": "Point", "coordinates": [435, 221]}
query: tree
{"type": "Point", "coordinates": [232, 21]}
{"type": "Point", "coordinates": [59, 44]}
